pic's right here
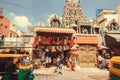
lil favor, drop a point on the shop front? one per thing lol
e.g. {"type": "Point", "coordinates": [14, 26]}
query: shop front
{"type": "Point", "coordinates": [112, 41]}
{"type": "Point", "coordinates": [53, 41]}
{"type": "Point", "coordinates": [87, 50]}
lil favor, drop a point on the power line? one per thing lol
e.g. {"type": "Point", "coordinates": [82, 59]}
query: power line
{"type": "Point", "coordinates": [13, 4]}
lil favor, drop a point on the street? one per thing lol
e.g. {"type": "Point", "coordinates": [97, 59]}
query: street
{"type": "Point", "coordinates": [79, 74]}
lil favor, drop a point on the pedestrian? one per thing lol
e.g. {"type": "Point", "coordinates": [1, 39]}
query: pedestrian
{"type": "Point", "coordinates": [48, 58]}
{"type": "Point", "coordinates": [60, 65]}
{"type": "Point", "coordinates": [57, 64]}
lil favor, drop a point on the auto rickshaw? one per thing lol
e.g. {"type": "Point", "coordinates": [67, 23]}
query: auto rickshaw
{"type": "Point", "coordinates": [20, 70]}
{"type": "Point", "coordinates": [114, 71]}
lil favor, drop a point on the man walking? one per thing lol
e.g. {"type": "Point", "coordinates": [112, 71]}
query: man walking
{"type": "Point", "coordinates": [60, 63]}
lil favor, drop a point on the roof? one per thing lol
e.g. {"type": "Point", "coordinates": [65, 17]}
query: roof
{"type": "Point", "coordinates": [15, 46]}
{"type": "Point", "coordinates": [55, 30]}
{"type": "Point", "coordinates": [12, 55]}
{"type": "Point", "coordinates": [26, 35]}
{"type": "Point", "coordinates": [107, 11]}
{"type": "Point", "coordinates": [115, 59]}
{"type": "Point", "coordinates": [113, 32]}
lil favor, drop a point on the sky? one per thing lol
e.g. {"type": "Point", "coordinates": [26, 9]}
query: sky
{"type": "Point", "coordinates": [30, 12]}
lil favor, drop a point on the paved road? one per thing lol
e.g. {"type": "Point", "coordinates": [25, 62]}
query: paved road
{"type": "Point", "coordinates": [79, 74]}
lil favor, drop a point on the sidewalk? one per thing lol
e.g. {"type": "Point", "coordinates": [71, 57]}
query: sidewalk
{"type": "Point", "coordinates": [45, 71]}
{"type": "Point", "coordinates": [50, 71]}
{"type": "Point", "coordinates": [79, 74]}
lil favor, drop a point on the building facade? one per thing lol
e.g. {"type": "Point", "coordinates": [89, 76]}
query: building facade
{"type": "Point", "coordinates": [4, 26]}
{"type": "Point", "coordinates": [109, 24]}
{"type": "Point", "coordinates": [109, 19]}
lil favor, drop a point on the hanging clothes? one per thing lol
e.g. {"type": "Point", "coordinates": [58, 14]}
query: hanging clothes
{"type": "Point", "coordinates": [42, 39]}
{"type": "Point", "coordinates": [58, 42]}
{"type": "Point", "coordinates": [48, 41]}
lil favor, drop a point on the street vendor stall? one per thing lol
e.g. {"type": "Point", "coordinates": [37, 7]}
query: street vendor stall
{"type": "Point", "coordinates": [56, 40]}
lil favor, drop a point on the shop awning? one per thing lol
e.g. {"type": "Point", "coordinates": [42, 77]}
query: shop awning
{"type": "Point", "coordinates": [115, 36]}
{"type": "Point", "coordinates": [12, 55]}
{"type": "Point", "coordinates": [55, 30]}
{"type": "Point", "coordinates": [112, 39]}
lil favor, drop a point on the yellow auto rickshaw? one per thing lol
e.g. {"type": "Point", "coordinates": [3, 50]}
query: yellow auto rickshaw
{"type": "Point", "coordinates": [13, 65]}
{"type": "Point", "coordinates": [114, 71]}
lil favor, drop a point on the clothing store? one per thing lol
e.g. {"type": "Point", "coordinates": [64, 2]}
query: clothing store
{"type": "Point", "coordinates": [51, 42]}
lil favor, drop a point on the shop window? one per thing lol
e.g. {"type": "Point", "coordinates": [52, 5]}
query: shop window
{"type": "Point", "coordinates": [116, 65]}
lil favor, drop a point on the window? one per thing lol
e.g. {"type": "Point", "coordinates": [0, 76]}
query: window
{"type": "Point", "coordinates": [116, 65]}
